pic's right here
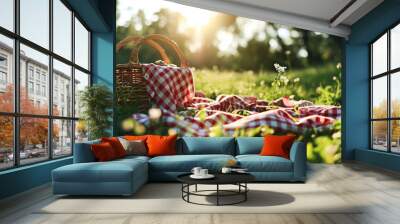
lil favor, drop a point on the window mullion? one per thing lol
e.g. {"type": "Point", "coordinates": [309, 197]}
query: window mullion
{"type": "Point", "coordinates": [50, 81]}
{"type": "Point", "coordinates": [73, 82]}
{"type": "Point", "coordinates": [389, 104]}
{"type": "Point", "coordinates": [16, 85]}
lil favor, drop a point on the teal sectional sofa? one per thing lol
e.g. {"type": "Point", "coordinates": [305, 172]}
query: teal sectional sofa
{"type": "Point", "coordinates": [125, 176]}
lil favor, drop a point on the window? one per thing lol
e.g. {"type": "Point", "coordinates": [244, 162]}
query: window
{"type": "Point", "coordinates": [38, 89]}
{"type": "Point", "coordinates": [44, 91]}
{"type": "Point", "coordinates": [62, 74]}
{"type": "Point", "coordinates": [3, 78]}
{"type": "Point", "coordinates": [41, 123]}
{"type": "Point", "coordinates": [62, 140]}
{"type": "Point", "coordinates": [385, 95]}
{"type": "Point", "coordinates": [30, 87]}
{"type": "Point", "coordinates": [38, 72]}
{"type": "Point", "coordinates": [6, 142]}
{"type": "Point", "coordinates": [81, 81]}
{"type": "Point", "coordinates": [34, 21]}
{"type": "Point", "coordinates": [30, 72]}
{"type": "Point", "coordinates": [6, 73]}
{"type": "Point", "coordinates": [3, 72]}
{"type": "Point", "coordinates": [81, 45]}
{"type": "Point", "coordinates": [62, 29]}
{"type": "Point", "coordinates": [3, 61]}
{"type": "Point", "coordinates": [7, 14]}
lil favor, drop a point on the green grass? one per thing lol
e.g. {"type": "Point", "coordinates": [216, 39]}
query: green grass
{"type": "Point", "coordinates": [320, 85]}
{"type": "Point", "coordinates": [248, 83]}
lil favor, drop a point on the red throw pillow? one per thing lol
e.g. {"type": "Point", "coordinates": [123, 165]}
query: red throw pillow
{"type": "Point", "coordinates": [116, 145]}
{"type": "Point", "coordinates": [103, 152]}
{"type": "Point", "coordinates": [161, 145]}
{"type": "Point", "coordinates": [275, 145]}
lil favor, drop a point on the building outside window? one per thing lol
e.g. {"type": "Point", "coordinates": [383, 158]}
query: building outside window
{"type": "Point", "coordinates": [43, 90]}
{"type": "Point", "coordinates": [44, 77]}
{"type": "Point", "coordinates": [30, 72]}
{"type": "Point", "coordinates": [58, 125]}
{"type": "Point", "coordinates": [37, 75]}
{"type": "Point", "coordinates": [3, 72]}
{"type": "Point", "coordinates": [30, 87]}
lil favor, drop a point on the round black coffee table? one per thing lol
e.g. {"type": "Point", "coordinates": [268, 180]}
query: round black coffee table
{"type": "Point", "coordinates": [238, 179]}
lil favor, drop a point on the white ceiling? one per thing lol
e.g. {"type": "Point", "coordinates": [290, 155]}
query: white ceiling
{"type": "Point", "coordinates": [320, 9]}
{"type": "Point", "coordinates": [324, 16]}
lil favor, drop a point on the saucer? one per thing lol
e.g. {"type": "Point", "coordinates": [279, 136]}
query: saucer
{"type": "Point", "coordinates": [208, 176]}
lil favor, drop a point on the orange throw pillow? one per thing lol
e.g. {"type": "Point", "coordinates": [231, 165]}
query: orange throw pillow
{"type": "Point", "coordinates": [135, 137]}
{"type": "Point", "coordinates": [116, 145]}
{"type": "Point", "coordinates": [103, 152]}
{"type": "Point", "coordinates": [275, 145]}
{"type": "Point", "coordinates": [161, 145]}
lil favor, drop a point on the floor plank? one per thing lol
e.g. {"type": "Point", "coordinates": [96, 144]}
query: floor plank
{"type": "Point", "coordinates": [377, 190]}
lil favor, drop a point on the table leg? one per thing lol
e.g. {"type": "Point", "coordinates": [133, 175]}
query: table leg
{"type": "Point", "coordinates": [195, 188]}
{"type": "Point", "coordinates": [188, 189]}
{"type": "Point", "coordinates": [245, 193]}
{"type": "Point", "coordinates": [217, 194]}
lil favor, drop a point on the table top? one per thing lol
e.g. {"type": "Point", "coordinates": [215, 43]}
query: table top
{"type": "Point", "coordinates": [220, 178]}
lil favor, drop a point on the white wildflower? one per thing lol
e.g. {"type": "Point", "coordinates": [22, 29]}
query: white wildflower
{"type": "Point", "coordinates": [154, 114]}
{"type": "Point", "coordinates": [279, 68]}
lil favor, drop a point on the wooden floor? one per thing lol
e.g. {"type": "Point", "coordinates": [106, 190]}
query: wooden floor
{"type": "Point", "coordinates": [378, 189]}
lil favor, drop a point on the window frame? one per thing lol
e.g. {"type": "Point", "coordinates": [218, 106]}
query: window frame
{"type": "Point", "coordinates": [388, 74]}
{"type": "Point", "coordinates": [16, 114]}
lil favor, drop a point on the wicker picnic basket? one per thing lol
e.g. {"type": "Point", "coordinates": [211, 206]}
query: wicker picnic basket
{"type": "Point", "coordinates": [130, 82]}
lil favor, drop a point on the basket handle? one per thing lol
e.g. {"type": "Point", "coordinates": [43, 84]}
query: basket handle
{"type": "Point", "coordinates": [152, 41]}
{"type": "Point", "coordinates": [137, 41]}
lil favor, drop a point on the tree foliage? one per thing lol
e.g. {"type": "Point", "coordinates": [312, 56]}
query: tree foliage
{"type": "Point", "coordinates": [96, 102]}
{"type": "Point", "coordinates": [33, 131]}
{"type": "Point", "coordinates": [254, 54]}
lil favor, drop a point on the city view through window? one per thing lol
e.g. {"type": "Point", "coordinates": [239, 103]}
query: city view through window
{"type": "Point", "coordinates": [39, 114]}
{"type": "Point", "coordinates": [385, 82]}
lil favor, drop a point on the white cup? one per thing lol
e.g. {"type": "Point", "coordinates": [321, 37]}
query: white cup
{"type": "Point", "coordinates": [203, 172]}
{"type": "Point", "coordinates": [196, 171]}
{"type": "Point", "coordinates": [226, 170]}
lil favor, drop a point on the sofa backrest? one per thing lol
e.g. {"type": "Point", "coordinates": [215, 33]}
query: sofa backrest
{"type": "Point", "coordinates": [249, 145]}
{"type": "Point", "coordinates": [83, 152]}
{"type": "Point", "coordinates": [206, 145]}
{"type": "Point", "coordinates": [190, 146]}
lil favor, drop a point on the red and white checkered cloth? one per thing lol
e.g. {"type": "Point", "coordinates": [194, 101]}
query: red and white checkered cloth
{"type": "Point", "coordinates": [169, 87]}
{"type": "Point", "coordinates": [282, 119]}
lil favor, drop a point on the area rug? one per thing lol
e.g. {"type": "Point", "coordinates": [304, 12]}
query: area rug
{"type": "Point", "coordinates": [166, 198]}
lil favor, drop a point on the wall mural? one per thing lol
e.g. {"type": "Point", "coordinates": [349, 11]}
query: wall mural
{"type": "Point", "coordinates": [192, 72]}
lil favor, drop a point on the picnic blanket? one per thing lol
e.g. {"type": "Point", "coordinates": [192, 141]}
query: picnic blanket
{"type": "Point", "coordinates": [191, 113]}
{"type": "Point", "coordinates": [169, 87]}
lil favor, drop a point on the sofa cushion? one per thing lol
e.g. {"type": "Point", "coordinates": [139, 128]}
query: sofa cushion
{"type": "Point", "coordinates": [161, 145]}
{"type": "Point", "coordinates": [257, 163]}
{"type": "Point", "coordinates": [277, 145]}
{"type": "Point", "coordinates": [103, 152]}
{"type": "Point", "coordinates": [249, 145]}
{"type": "Point", "coordinates": [134, 147]}
{"type": "Point", "coordinates": [112, 171]}
{"type": "Point", "coordinates": [206, 145]}
{"type": "Point", "coordinates": [116, 145]}
{"type": "Point", "coordinates": [185, 163]}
